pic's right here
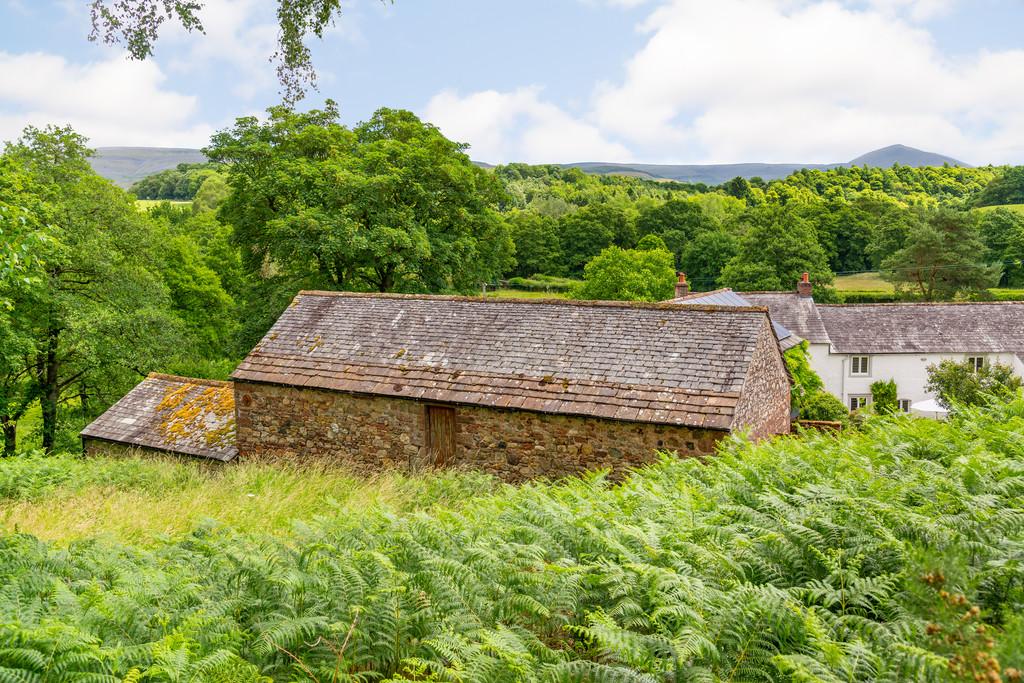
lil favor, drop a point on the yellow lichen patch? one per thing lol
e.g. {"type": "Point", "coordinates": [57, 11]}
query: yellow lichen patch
{"type": "Point", "coordinates": [203, 415]}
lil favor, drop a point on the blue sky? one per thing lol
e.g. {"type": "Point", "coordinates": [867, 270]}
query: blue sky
{"type": "Point", "coordinates": [562, 80]}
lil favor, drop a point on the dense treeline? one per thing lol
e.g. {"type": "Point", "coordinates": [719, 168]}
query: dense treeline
{"type": "Point", "coordinates": [176, 184]}
{"type": "Point", "coordinates": [913, 224]}
{"type": "Point", "coordinates": [889, 553]}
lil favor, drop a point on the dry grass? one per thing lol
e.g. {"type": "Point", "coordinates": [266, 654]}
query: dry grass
{"type": "Point", "coordinates": [142, 500]}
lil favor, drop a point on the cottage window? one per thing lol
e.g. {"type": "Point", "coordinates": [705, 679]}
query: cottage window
{"type": "Point", "coordinates": [859, 401]}
{"type": "Point", "coordinates": [976, 363]}
{"type": "Point", "coordinates": [440, 434]}
{"type": "Point", "coordinates": [904, 405]}
{"type": "Point", "coordinates": [859, 365]}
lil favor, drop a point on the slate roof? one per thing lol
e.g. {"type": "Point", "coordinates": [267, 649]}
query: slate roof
{"type": "Point", "coordinates": [655, 363]}
{"type": "Point", "coordinates": [797, 313]}
{"type": "Point", "coordinates": [174, 414]}
{"type": "Point", "coordinates": [727, 297]}
{"type": "Point", "coordinates": [990, 327]}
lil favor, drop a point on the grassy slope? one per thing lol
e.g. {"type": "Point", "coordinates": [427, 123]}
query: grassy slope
{"type": "Point", "coordinates": [800, 559]}
{"type": "Point", "coordinates": [1019, 208]}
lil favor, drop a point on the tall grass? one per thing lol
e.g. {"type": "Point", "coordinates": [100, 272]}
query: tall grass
{"type": "Point", "coordinates": [889, 554]}
{"type": "Point", "coordinates": [141, 500]}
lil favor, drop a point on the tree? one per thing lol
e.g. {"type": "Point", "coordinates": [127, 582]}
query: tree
{"type": "Point", "coordinates": [211, 193]}
{"type": "Point", "coordinates": [677, 221]}
{"type": "Point", "coordinates": [391, 205]}
{"type": "Point", "coordinates": [97, 316]}
{"type": "Point", "coordinates": [1013, 258]}
{"type": "Point", "coordinates": [943, 256]}
{"type": "Point", "coordinates": [538, 247]}
{"type": "Point", "coordinates": [1005, 189]}
{"type": "Point", "coordinates": [706, 255]}
{"type": "Point", "coordinates": [646, 274]}
{"type": "Point", "coordinates": [179, 183]}
{"type": "Point", "coordinates": [885, 397]}
{"type": "Point", "coordinates": [136, 25]}
{"type": "Point", "coordinates": [738, 187]}
{"type": "Point", "coordinates": [778, 247]}
{"type": "Point", "coordinates": [960, 384]}
{"type": "Point", "coordinates": [585, 233]}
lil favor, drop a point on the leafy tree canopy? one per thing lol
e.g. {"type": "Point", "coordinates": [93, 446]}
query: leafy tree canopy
{"type": "Point", "coordinates": [778, 247]}
{"type": "Point", "coordinates": [538, 247]}
{"type": "Point", "coordinates": [586, 232]}
{"type": "Point", "coordinates": [97, 316]}
{"type": "Point", "coordinates": [179, 183]}
{"type": "Point", "coordinates": [642, 274]}
{"type": "Point", "coordinates": [943, 256]}
{"type": "Point", "coordinates": [390, 205]}
{"type": "Point", "coordinates": [1007, 188]}
{"type": "Point", "coordinates": [706, 255]}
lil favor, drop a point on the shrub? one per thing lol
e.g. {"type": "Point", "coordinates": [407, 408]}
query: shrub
{"type": "Point", "coordinates": [959, 384]}
{"type": "Point", "coordinates": [885, 397]}
{"type": "Point", "coordinates": [822, 405]}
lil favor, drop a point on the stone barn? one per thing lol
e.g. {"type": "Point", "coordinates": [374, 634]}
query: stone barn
{"type": "Point", "coordinates": [518, 388]}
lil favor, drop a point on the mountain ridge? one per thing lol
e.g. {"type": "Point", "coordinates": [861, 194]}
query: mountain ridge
{"type": "Point", "coordinates": [126, 165]}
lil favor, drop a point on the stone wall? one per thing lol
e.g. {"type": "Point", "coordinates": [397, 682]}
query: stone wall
{"type": "Point", "coordinates": [764, 405]}
{"type": "Point", "coordinates": [371, 433]}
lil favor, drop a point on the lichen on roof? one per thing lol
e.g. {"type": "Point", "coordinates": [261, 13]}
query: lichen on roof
{"type": "Point", "coordinates": [192, 410]}
{"type": "Point", "coordinates": [180, 415]}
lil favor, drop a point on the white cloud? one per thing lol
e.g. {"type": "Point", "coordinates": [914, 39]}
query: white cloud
{"type": "Point", "coordinates": [518, 126]}
{"type": "Point", "coordinates": [113, 102]}
{"type": "Point", "coordinates": [241, 33]}
{"type": "Point", "coordinates": [773, 80]}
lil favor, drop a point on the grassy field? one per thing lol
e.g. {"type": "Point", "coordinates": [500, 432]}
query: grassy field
{"type": "Point", "coordinates": [862, 282]}
{"type": "Point", "coordinates": [888, 553]}
{"type": "Point", "coordinates": [1018, 208]}
{"type": "Point", "coordinates": [526, 294]}
{"type": "Point", "coordinates": [147, 204]}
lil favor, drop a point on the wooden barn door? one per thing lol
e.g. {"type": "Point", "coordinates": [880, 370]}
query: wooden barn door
{"type": "Point", "coordinates": [441, 435]}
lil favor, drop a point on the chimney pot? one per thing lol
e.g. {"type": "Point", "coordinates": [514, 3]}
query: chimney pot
{"type": "Point", "coordinates": [804, 288]}
{"type": "Point", "coordinates": [682, 286]}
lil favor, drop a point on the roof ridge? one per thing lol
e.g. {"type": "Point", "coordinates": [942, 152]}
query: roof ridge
{"type": "Point", "coordinates": [697, 295]}
{"type": "Point", "coordinates": [189, 380]}
{"type": "Point", "coordinates": [773, 291]}
{"type": "Point", "coordinates": [584, 303]}
{"type": "Point", "coordinates": [908, 304]}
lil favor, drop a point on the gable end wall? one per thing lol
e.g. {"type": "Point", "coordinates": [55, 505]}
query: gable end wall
{"type": "Point", "coordinates": [764, 403]}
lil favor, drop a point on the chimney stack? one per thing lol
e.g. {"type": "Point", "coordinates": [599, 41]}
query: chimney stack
{"type": "Point", "coordinates": [804, 287]}
{"type": "Point", "coordinates": [682, 286]}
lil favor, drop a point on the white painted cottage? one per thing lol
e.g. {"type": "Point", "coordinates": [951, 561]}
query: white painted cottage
{"type": "Point", "coordinates": [853, 345]}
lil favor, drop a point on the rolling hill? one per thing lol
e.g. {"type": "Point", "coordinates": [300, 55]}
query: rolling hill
{"type": "Point", "coordinates": [715, 174]}
{"type": "Point", "coordinates": [125, 165]}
